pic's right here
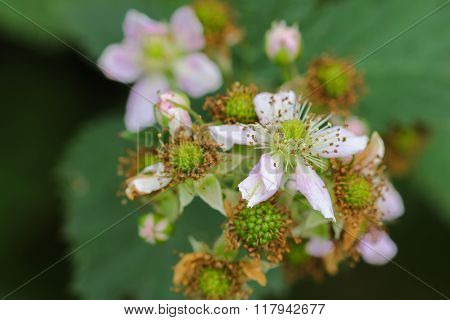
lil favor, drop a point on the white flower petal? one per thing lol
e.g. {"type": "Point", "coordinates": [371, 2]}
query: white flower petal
{"type": "Point", "coordinates": [263, 181]}
{"type": "Point", "coordinates": [197, 75]}
{"type": "Point", "coordinates": [143, 96]}
{"type": "Point", "coordinates": [337, 142]}
{"type": "Point", "coordinates": [372, 154]}
{"type": "Point", "coordinates": [228, 135]}
{"type": "Point", "coordinates": [377, 248]}
{"type": "Point", "coordinates": [151, 179]}
{"type": "Point", "coordinates": [319, 247]}
{"type": "Point", "coordinates": [137, 24]}
{"type": "Point", "coordinates": [187, 29]}
{"type": "Point", "coordinates": [313, 188]}
{"type": "Point", "coordinates": [118, 62]}
{"type": "Point", "coordinates": [390, 203]}
{"type": "Point", "coordinates": [271, 108]}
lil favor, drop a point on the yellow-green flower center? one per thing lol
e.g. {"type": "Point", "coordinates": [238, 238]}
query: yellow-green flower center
{"type": "Point", "coordinates": [212, 14]}
{"type": "Point", "coordinates": [240, 107]}
{"type": "Point", "coordinates": [357, 191]}
{"type": "Point", "coordinates": [214, 283]}
{"type": "Point", "coordinates": [333, 78]}
{"type": "Point", "coordinates": [155, 48]}
{"type": "Point", "coordinates": [293, 129]}
{"type": "Point", "coordinates": [186, 156]}
{"type": "Point", "coordinates": [258, 225]}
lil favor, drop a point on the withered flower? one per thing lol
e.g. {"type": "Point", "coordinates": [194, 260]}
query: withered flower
{"type": "Point", "coordinates": [236, 106]}
{"type": "Point", "coordinates": [333, 84]}
{"type": "Point", "coordinates": [200, 276]}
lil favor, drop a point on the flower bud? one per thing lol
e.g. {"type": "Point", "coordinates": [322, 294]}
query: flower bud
{"type": "Point", "coordinates": [283, 43]}
{"type": "Point", "coordinates": [377, 248]}
{"type": "Point", "coordinates": [172, 111]}
{"type": "Point", "coordinates": [173, 99]}
{"type": "Point", "coordinates": [319, 247]}
{"type": "Point", "coordinates": [154, 228]}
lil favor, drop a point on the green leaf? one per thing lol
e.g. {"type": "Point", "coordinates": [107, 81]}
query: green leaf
{"type": "Point", "coordinates": [167, 204]}
{"type": "Point", "coordinates": [186, 193]}
{"type": "Point", "coordinates": [209, 189]}
{"type": "Point", "coordinates": [34, 22]}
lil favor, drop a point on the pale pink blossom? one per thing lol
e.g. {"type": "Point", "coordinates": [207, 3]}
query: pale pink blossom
{"type": "Point", "coordinates": [319, 247]}
{"type": "Point", "coordinates": [279, 116]}
{"type": "Point", "coordinates": [377, 248]}
{"type": "Point", "coordinates": [152, 50]}
{"type": "Point", "coordinates": [152, 229]}
{"type": "Point", "coordinates": [283, 43]}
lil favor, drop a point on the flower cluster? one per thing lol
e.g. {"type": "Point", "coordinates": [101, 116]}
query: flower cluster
{"type": "Point", "coordinates": [300, 181]}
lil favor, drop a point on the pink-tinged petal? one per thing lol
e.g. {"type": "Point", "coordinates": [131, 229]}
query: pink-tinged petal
{"type": "Point", "coordinates": [179, 119]}
{"type": "Point", "coordinates": [228, 135]}
{"type": "Point", "coordinates": [143, 96]}
{"type": "Point", "coordinates": [187, 29]}
{"type": "Point", "coordinates": [172, 107]}
{"type": "Point", "coordinates": [197, 75]}
{"type": "Point", "coordinates": [313, 188]}
{"type": "Point", "coordinates": [173, 99]}
{"type": "Point", "coordinates": [271, 108]}
{"type": "Point", "coordinates": [377, 248]}
{"type": "Point", "coordinates": [319, 247]}
{"type": "Point", "coordinates": [146, 230]}
{"type": "Point", "coordinates": [118, 62]}
{"type": "Point", "coordinates": [390, 203]}
{"type": "Point", "coordinates": [137, 24]}
{"type": "Point", "coordinates": [372, 154]}
{"type": "Point", "coordinates": [161, 236]}
{"type": "Point", "coordinates": [337, 142]}
{"type": "Point", "coordinates": [356, 126]}
{"type": "Point", "coordinates": [151, 179]}
{"type": "Point", "coordinates": [263, 181]}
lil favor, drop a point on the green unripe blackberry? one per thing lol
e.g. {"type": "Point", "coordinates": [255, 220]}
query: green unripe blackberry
{"type": "Point", "coordinates": [186, 156]}
{"type": "Point", "coordinates": [214, 283]}
{"type": "Point", "coordinates": [258, 226]}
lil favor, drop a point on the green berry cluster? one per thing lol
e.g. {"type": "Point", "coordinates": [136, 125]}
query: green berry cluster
{"type": "Point", "coordinates": [214, 283]}
{"type": "Point", "coordinates": [258, 225]}
{"type": "Point", "coordinates": [212, 14]}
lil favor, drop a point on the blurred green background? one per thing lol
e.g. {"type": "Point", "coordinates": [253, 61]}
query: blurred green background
{"type": "Point", "coordinates": [61, 117]}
